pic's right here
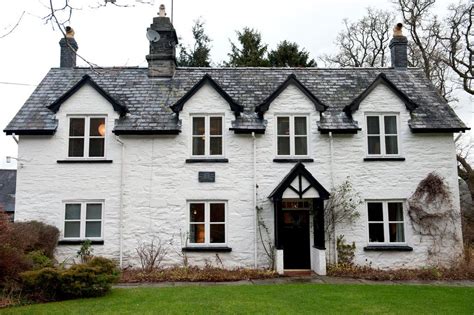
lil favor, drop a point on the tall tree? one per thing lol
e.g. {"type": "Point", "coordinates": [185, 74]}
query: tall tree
{"type": "Point", "coordinates": [288, 54]}
{"type": "Point", "coordinates": [250, 51]}
{"type": "Point", "coordinates": [363, 43]}
{"type": "Point", "coordinates": [199, 54]}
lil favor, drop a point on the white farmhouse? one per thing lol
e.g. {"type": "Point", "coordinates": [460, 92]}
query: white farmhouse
{"type": "Point", "coordinates": [202, 158]}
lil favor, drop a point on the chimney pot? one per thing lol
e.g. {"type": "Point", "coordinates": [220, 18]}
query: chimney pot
{"type": "Point", "coordinates": [68, 49]}
{"type": "Point", "coordinates": [399, 48]}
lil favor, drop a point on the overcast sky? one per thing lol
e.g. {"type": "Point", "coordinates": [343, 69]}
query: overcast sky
{"type": "Point", "coordinates": [113, 36]}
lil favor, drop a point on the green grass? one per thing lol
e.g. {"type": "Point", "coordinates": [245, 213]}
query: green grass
{"type": "Point", "coordinates": [269, 299]}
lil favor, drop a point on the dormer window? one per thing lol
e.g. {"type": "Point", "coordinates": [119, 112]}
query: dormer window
{"type": "Point", "coordinates": [207, 136]}
{"type": "Point", "coordinates": [382, 135]}
{"type": "Point", "coordinates": [86, 137]}
{"type": "Point", "coordinates": [292, 136]}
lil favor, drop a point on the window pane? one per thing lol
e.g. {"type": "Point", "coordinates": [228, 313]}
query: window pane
{"type": "Point", "coordinates": [375, 211]}
{"type": "Point", "coordinates": [94, 211]}
{"type": "Point", "coordinates": [283, 125]}
{"type": "Point", "coordinates": [198, 126]}
{"type": "Point", "coordinates": [198, 145]}
{"type": "Point", "coordinates": [76, 127]}
{"type": "Point", "coordinates": [373, 144]}
{"type": "Point", "coordinates": [197, 212]}
{"type": "Point", "coordinates": [76, 147]}
{"type": "Point", "coordinates": [73, 211]}
{"type": "Point", "coordinates": [376, 232]}
{"type": "Point", "coordinates": [390, 124]}
{"type": "Point", "coordinates": [97, 127]}
{"type": "Point", "coordinates": [395, 211]}
{"type": "Point", "coordinates": [97, 147]}
{"type": "Point", "coordinates": [72, 229]}
{"type": "Point", "coordinates": [373, 125]}
{"type": "Point", "coordinates": [216, 146]}
{"type": "Point", "coordinates": [93, 229]}
{"type": "Point", "coordinates": [196, 233]}
{"type": "Point", "coordinates": [301, 146]}
{"type": "Point", "coordinates": [391, 145]}
{"type": "Point", "coordinates": [217, 212]}
{"type": "Point", "coordinates": [397, 234]}
{"type": "Point", "coordinates": [216, 125]}
{"type": "Point", "coordinates": [217, 233]}
{"type": "Point", "coordinates": [300, 126]}
{"type": "Point", "coordinates": [283, 146]}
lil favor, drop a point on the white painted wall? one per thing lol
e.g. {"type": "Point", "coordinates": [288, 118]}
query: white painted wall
{"type": "Point", "coordinates": [158, 183]}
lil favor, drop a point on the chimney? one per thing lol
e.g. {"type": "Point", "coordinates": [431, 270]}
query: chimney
{"type": "Point", "coordinates": [398, 48]}
{"type": "Point", "coordinates": [163, 41]}
{"type": "Point", "coordinates": [68, 49]}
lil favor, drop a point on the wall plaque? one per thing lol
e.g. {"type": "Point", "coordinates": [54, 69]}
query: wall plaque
{"type": "Point", "coordinates": [207, 177]}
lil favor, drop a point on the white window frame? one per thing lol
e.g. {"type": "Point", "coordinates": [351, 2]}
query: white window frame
{"type": "Point", "coordinates": [292, 135]}
{"type": "Point", "coordinates": [207, 223]}
{"type": "Point", "coordinates": [386, 221]}
{"type": "Point", "coordinates": [83, 220]}
{"type": "Point", "coordinates": [207, 136]}
{"type": "Point", "coordinates": [382, 134]}
{"type": "Point", "coordinates": [87, 137]}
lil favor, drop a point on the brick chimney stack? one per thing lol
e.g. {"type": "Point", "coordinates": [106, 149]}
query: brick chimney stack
{"type": "Point", "coordinates": [68, 49]}
{"type": "Point", "coordinates": [398, 48]}
{"type": "Point", "coordinates": [163, 41]}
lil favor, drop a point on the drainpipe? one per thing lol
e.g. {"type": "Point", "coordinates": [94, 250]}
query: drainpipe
{"type": "Point", "coordinates": [255, 197]}
{"type": "Point", "coordinates": [15, 138]}
{"type": "Point", "coordinates": [121, 202]}
{"type": "Point", "coordinates": [331, 171]}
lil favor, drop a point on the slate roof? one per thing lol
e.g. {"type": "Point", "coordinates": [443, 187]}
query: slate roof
{"type": "Point", "coordinates": [148, 100]}
{"type": "Point", "coordinates": [7, 190]}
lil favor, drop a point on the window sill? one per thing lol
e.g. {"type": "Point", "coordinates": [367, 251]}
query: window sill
{"type": "Point", "coordinates": [292, 160]}
{"type": "Point", "coordinates": [218, 160]}
{"type": "Point", "coordinates": [382, 158]}
{"type": "Point", "coordinates": [389, 248]}
{"type": "Point", "coordinates": [79, 242]}
{"type": "Point", "coordinates": [207, 249]}
{"type": "Point", "coordinates": [84, 161]}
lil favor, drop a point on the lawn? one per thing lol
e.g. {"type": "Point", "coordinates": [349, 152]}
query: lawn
{"type": "Point", "coordinates": [269, 299]}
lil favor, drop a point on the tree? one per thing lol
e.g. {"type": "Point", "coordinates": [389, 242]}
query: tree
{"type": "Point", "coordinates": [363, 43]}
{"type": "Point", "coordinates": [288, 54]}
{"type": "Point", "coordinates": [250, 52]}
{"type": "Point", "coordinates": [199, 55]}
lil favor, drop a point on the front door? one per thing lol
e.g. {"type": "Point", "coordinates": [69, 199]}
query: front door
{"type": "Point", "coordinates": [295, 237]}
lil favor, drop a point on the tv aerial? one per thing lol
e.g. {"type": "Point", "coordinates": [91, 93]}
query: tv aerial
{"type": "Point", "coordinates": [152, 35]}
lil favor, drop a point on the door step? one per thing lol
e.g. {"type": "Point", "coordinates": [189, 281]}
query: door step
{"type": "Point", "coordinates": [297, 272]}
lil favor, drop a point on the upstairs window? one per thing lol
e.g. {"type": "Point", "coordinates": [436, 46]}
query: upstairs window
{"type": "Point", "coordinates": [83, 220]}
{"type": "Point", "coordinates": [207, 223]}
{"type": "Point", "coordinates": [86, 137]}
{"type": "Point", "coordinates": [382, 135]}
{"type": "Point", "coordinates": [386, 223]}
{"type": "Point", "coordinates": [292, 135]}
{"type": "Point", "coordinates": [207, 137]}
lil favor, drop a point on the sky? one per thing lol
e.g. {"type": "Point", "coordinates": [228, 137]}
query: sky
{"type": "Point", "coordinates": [115, 36]}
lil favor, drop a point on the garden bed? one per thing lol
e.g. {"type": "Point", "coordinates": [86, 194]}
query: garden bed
{"type": "Point", "coordinates": [195, 274]}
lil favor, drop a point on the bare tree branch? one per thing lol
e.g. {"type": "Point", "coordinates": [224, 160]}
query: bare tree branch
{"type": "Point", "coordinates": [14, 27]}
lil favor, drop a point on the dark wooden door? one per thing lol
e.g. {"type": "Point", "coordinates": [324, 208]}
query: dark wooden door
{"type": "Point", "coordinates": [295, 237]}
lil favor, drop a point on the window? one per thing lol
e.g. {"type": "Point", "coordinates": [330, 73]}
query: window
{"type": "Point", "coordinates": [386, 223]}
{"type": "Point", "coordinates": [382, 134]}
{"type": "Point", "coordinates": [207, 223]}
{"type": "Point", "coordinates": [83, 220]}
{"type": "Point", "coordinates": [292, 135]}
{"type": "Point", "coordinates": [207, 136]}
{"type": "Point", "coordinates": [86, 137]}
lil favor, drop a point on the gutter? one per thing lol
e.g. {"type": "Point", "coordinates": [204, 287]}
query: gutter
{"type": "Point", "coordinates": [121, 202]}
{"type": "Point", "coordinates": [255, 198]}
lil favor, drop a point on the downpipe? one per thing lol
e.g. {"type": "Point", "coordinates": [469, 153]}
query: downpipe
{"type": "Point", "coordinates": [121, 202]}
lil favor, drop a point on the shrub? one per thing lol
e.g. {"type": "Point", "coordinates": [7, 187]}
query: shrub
{"type": "Point", "coordinates": [85, 252]}
{"type": "Point", "coordinates": [42, 284]}
{"type": "Point", "coordinates": [34, 235]}
{"type": "Point", "coordinates": [39, 260]}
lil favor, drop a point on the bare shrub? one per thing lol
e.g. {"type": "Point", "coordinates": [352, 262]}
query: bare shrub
{"type": "Point", "coordinates": [345, 252]}
{"type": "Point", "coordinates": [151, 254]}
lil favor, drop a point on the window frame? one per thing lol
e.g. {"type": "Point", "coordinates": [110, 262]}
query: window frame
{"type": "Point", "coordinates": [82, 220]}
{"type": "Point", "coordinates": [87, 137]}
{"type": "Point", "coordinates": [207, 223]}
{"type": "Point", "coordinates": [292, 135]}
{"type": "Point", "coordinates": [207, 136]}
{"type": "Point", "coordinates": [382, 134]}
{"type": "Point", "coordinates": [386, 222]}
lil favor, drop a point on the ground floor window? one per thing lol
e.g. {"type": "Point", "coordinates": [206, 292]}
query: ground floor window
{"type": "Point", "coordinates": [83, 220]}
{"type": "Point", "coordinates": [207, 222]}
{"type": "Point", "coordinates": [386, 222]}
